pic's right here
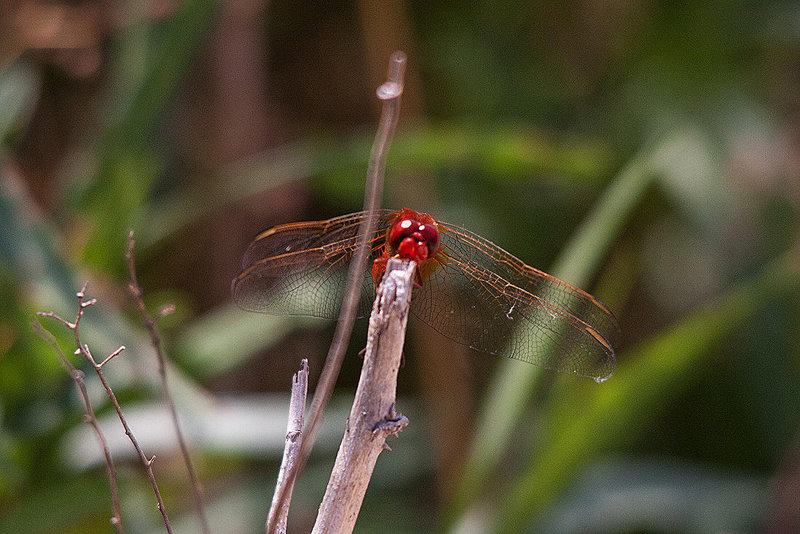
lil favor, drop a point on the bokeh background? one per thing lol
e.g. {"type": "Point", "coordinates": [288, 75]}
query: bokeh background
{"type": "Point", "coordinates": [648, 151]}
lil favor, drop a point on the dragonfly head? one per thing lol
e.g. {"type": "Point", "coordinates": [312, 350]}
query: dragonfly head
{"type": "Point", "coordinates": [414, 240]}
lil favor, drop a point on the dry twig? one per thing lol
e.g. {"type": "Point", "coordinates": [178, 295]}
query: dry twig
{"type": "Point", "coordinates": [389, 93]}
{"type": "Point", "coordinates": [372, 417]}
{"type": "Point", "coordinates": [78, 376]}
{"type": "Point", "coordinates": [155, 340]}
{"type": "Point", "coordinates": [98, 368]}
{"type": "Point", "coordinates": [294, 429]}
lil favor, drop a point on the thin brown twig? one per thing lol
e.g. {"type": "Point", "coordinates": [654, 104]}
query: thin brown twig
{"type": "Point", "coordinates": [389, 93]}
{"type": "Point", "coordinates": [155, 340]}
{"type": "Point", "coordinates": [77, 376]}
{"type": "Point", "coordinates": [98, 368]}
{"type": "Point", "coordinates": [294, 430]}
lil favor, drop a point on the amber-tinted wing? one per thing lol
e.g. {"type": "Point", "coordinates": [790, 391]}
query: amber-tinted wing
{"type": "Point", "coordinates": [473, 292]}
{"type": "Point", "coordinates": [301, 268]}
{"type": "Point", "coordinates": [482, 296]}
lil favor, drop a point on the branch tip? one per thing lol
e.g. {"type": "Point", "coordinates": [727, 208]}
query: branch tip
{"type": "Point", "coordinates": [397, 66]}
{"type": "Point", "coordinates": [166, 310]}
{"type": "Point", "coordinates": [389, 91]}
{"type": "Point", "coordinates": [131, 243]}
{"type": "Point", "coordinates": [112, 355]}
{"type": "Point", "coordinates": [393, 87]}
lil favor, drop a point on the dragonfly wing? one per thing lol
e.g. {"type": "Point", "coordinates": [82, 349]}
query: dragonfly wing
{"type": "Point", "coordinates": [294, 237]}
{"type": "Point", "coordinates": [484, 297]}
{"type": "Point", "coordinates": [301, 268]}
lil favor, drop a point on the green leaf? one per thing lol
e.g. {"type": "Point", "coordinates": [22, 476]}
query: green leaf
{"type": "Point", "coordinates": [513, 384]}
{"type": "Point", "coordinates": [591, 420]}
{"type": "Point", "coordinates": [19, 85]}
{"type": "Point", "coordinates": [128, 163]}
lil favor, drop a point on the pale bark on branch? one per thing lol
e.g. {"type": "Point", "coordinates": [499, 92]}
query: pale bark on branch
{"type": "Point", "coordinates": [279, 511]}
{"type": "Point", "coordinates": [372, 417]}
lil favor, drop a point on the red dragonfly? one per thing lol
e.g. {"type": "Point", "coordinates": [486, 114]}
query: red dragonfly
{"type": "Point", "coordinates": [468, 289]}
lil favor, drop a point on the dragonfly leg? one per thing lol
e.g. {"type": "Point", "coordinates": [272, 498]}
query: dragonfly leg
{"type": "Point", "coordinates": [378, 268]}
{"type": "Point", "coordinates": [417, 278]}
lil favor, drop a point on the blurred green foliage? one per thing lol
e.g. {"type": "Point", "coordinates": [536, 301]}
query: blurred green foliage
{"type": "Point", "coordinates": [643, 150]}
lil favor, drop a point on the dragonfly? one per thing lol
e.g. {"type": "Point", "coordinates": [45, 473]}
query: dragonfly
{"type": "Point", "coordinates": [466, 287]}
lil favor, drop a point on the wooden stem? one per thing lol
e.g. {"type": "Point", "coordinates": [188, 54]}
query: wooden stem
{"type": "Point", "coordinates": [279, 510]}
{"type": "Point", "coordinates": [372, 417]}
{"type": "Point", "coordinates": [155, 340]}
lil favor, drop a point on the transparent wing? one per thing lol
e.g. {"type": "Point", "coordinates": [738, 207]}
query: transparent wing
{"type": "Point", "coordinates": [301, 268]}
{"type": "Point", "coordinates": [473, 292]}
{"type": "Point", "coordinates": [479, 295]}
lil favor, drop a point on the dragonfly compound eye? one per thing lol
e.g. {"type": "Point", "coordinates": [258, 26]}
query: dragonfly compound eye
{"type": "Point", "coordinates": [402, 230]}
{"type": "Point", "coordinates": [430, 235]}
